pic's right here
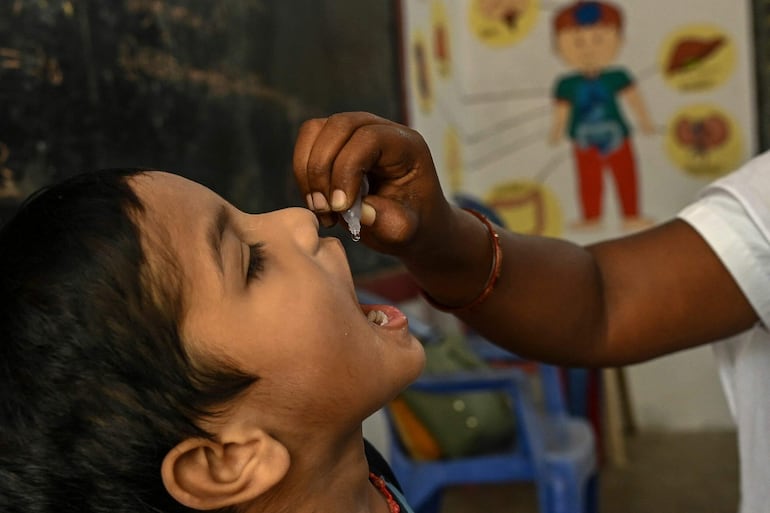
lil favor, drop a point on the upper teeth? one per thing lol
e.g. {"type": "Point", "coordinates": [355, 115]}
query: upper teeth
{"type": "Point", "coordinates": [378, 317]}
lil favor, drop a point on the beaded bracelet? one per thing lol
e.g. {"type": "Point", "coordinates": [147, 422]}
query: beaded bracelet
{"type": "Point", "coordinates": [494, 272]}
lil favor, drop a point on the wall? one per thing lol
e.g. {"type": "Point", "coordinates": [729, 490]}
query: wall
{"type": "Point", "coordinates": [679, 392]}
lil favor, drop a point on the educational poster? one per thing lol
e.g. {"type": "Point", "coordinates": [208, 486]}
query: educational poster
{"type": "Point", "coordinates": [580, 119]}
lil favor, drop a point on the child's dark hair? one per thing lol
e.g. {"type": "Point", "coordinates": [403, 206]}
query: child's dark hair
{"type": "Point", "coordinates": [587, 13]}
{"type": "Point", "coordinates": [95, 383]}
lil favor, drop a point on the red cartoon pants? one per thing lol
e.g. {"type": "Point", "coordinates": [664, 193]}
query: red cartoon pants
{"type": "Point", "coordinates": [590, 164]}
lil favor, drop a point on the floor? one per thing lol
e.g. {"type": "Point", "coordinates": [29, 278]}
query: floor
{"type": "Point", "coordinates": [667, 473]}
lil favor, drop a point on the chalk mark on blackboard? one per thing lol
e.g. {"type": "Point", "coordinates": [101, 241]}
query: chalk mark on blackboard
{"type": "Point", "coordinates": [34, 63]}
{"type": "Point", "coordinates": [140, 62]}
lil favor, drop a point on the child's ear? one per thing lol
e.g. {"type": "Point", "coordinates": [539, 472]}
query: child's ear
{"type": "Point", "coordinates": [205, 474]}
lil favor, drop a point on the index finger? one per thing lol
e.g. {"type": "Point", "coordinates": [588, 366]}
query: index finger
{"type": "Point", "coordinates": [318, 145]}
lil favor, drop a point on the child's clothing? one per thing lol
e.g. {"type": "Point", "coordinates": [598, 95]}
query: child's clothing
{"type": "Point", "coordinates": [595, 117]}
{"type": "Point", "coordinates": [733, 215]}
{"type": "Point", "coordinates": [590, 167]}
{"type": "Point", "coordinates": [383, 475]}
{"type": "Point", "coordinates": [600, 138]}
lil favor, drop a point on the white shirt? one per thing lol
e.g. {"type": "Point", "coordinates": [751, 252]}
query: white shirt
{"type": "Point", "coordinates": [733, 216]}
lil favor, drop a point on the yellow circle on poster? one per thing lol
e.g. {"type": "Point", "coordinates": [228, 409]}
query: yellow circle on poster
{"type": "Point", "coordinates": [501, 23]}
{"type": "Point", "coordinates": [453, 160]}
{"type": "Point", "coordinates": [527, 207]}
{"type": "Point", "coordinates": [422, 81]}
{"type": "Point", "coordinates": [704, 141]}
{"type": "Point", "coordinates": [697, 58]}
{"type": "Point", "coordinates": [442, 48]}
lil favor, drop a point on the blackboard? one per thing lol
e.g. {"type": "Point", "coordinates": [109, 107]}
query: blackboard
{"type": "Point", "coordinates": [213, 90]}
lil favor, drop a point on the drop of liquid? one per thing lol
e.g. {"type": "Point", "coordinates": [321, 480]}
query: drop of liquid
{"type": "Point", "coordinates": [356, 237]}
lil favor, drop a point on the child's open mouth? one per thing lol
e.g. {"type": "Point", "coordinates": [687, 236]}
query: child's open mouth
{"type": "Point", "coordinates": [384, 315]}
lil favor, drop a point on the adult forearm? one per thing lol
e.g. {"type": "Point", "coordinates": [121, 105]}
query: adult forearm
{"type": "Point", "coordinates": [547, 303]}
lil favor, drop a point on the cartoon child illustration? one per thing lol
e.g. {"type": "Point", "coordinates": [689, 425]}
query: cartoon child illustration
{"type": "Point", "coordinates": [588, 36]}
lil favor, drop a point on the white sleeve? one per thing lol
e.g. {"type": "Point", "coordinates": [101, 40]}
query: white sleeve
{"type": "Point", "coordinates": [733, 216]}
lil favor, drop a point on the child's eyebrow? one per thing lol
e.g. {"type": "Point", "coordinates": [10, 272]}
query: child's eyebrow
{"type": "Point", "coordinates": [214, 235]}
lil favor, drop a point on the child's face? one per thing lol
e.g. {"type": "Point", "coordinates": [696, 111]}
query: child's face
{"type": "Point", "coordinates": [589, 49]}
{"type": "Point", "coordinates": [295, 322]}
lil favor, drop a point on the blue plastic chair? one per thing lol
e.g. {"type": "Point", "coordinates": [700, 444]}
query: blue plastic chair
{"type": "Point", "coordinates": [552, 450]}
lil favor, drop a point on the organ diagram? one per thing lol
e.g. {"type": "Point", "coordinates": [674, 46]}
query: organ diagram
{"type": "Point", "coordinates": [579, 118]}
{"type": "Point", "coordinates": [704, 140]}
{"type": "Point", "coordinates": [691, 52]}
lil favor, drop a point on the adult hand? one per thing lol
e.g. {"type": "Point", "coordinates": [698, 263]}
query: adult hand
{"type": "Point", "coordinates": [405, 211]}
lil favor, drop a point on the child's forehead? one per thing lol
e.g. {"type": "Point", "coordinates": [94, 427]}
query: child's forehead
{"type": "Point", "coordinates": [165, 182]}
{"type": "Point", "coordinates": [176, 209]}
{"type": "Point", "coordinates": [174, 195]}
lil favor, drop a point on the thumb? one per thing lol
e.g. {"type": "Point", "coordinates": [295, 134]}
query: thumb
{"type": "Point", "coordinates": [389, 226]}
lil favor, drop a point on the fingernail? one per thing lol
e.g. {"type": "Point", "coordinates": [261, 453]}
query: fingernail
{"type": "Point", "coordinates": [368, 214]}
{"type": "Point", "coordinates": [319, 202]}
{"type": "Point", "coordinates": [309, 201]}
{"type": "Point", "coordinates": [339, 200]}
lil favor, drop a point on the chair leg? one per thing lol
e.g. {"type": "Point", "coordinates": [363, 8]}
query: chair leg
{"type": "Point", "coordinates": [564, 492]}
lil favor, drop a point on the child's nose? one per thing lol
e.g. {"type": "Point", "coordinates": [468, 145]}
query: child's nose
{"type": "Point", "coordinates": [299, 224]}
{"type": "Point", "coordinates": [300, 217]}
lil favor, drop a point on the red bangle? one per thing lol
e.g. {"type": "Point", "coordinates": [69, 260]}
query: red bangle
{"type": "Point", "coordinates": [494, 271]}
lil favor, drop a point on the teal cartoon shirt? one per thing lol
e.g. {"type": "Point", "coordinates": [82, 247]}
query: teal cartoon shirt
{"type": "Point", "coordinates": [595, 118]}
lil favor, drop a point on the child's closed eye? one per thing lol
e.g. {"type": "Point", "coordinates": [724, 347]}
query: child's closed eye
{"type": "Point", "coordinates": [256, 260]}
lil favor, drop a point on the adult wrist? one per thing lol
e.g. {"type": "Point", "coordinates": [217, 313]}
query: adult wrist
{"type": "Point", "coordinates": [492, 276]}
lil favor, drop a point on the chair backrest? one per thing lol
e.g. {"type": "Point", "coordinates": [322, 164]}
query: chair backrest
{"type": "Point", "coordinates": [550, 378]}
